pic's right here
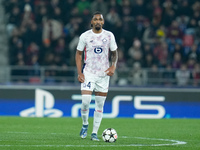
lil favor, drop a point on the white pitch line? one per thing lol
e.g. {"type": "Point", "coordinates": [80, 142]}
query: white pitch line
{"type": "Point", "coordinates": [33, 133]}
{"type": "Point", "coordinates": [175, 142]}
{"type": "Point", "coordinates": [18, 132]}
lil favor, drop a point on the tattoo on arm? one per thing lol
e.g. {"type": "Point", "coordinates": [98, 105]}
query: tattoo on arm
{"type": "Point", "coordinates": [114, 57]}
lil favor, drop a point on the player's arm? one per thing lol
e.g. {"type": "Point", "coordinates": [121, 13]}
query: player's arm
{"type": "Point", "coordinates": [81, 77]}
{"type": "Point", "coordinates": [114, 57]}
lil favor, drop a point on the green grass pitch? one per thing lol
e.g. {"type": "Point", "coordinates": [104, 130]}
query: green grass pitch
{"type": "Point", "coordinates": [17, 133]}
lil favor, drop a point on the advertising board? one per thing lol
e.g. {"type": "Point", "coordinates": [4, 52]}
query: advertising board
{"type": "Point", "coordinates": [149, 103]}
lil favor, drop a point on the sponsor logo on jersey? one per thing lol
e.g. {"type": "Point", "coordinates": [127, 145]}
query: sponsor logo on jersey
{"type": "Point", "coordinates": [98, 50]}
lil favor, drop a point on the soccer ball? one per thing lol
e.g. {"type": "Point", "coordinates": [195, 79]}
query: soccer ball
{"type": "Point", "coordinates": [109, 135]}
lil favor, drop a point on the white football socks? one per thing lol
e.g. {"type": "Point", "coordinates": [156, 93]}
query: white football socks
{"type": "Point", "coordinates": [98, 114]}
{"type": "Point", "coordinates": [99, 103]}
{"type": "Point", "coordinates": [97, 121]}
{"type": "Point", "coordinates": [86, 99]}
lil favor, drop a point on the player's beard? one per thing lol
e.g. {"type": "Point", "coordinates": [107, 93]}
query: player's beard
{"type": "Point", "coordinates": [98, 27]}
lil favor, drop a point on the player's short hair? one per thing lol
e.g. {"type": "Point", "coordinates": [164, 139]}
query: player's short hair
{"type": "Point", "coordinates": [96, 13]}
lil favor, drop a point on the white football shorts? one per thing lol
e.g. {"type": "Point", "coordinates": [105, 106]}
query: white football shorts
{"type": "Point", "coordinates": [95, 83]}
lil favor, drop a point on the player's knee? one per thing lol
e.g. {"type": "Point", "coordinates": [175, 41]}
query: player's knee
{"type": "Point", "coordinates": [85, 105]}
{"type": "Point", "coordinates": [99, 106]}
{"type": "Point", "coordinates": [86, 102]}
{"type": "Point", "coordinates": [99, 101]}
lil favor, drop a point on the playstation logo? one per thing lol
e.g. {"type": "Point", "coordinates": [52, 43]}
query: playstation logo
{"type": "Point", "coordinates": [44, 102]}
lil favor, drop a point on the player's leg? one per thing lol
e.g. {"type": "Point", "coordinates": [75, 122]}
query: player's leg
{"type": "Point", "coordinates": [101, 89]}
{"type": "Point", "coordinates": [86, 99]}
{"type": "Point", "coordinates": [98, 113]}
{"type": "Point", "coordinates": [86, 91]}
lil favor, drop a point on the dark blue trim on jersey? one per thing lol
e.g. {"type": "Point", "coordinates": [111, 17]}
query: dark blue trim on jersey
{"type": "Point", "coordinates": [83, 67]}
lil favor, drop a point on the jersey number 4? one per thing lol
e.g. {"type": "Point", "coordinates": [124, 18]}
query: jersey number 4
{"type": "Point", "coordinates": [87, 85]}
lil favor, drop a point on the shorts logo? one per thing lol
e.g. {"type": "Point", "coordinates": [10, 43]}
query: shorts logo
{"type": "Point", "coordinates": [98, 50]}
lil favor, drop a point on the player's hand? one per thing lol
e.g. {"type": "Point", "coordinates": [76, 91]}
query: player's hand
{"type": "Point", "coordinates": [81, 78]}
{"type": "Point", "coordinates": [110, 71]}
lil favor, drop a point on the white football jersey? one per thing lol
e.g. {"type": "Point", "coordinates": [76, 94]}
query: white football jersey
{"type": "Point", "coordinates": [96, 50]}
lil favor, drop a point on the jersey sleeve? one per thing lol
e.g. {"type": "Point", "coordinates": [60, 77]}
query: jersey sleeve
{"type": "Point", "coordinates": [113, 44]}
{"type": "Point", "coordinates": [81, 43]}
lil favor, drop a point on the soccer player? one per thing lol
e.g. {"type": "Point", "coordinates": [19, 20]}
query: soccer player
{"type": "Point", "coordinates": [95, 73]}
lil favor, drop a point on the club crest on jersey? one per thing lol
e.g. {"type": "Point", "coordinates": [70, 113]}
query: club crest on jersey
{"type": "Point", "coordinates": [104, 40]}
{"type": "Point", "coordinates": [98, 50]}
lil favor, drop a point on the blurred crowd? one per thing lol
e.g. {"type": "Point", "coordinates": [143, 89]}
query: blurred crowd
{"type": "Point", "coordinates": [150, 33]}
